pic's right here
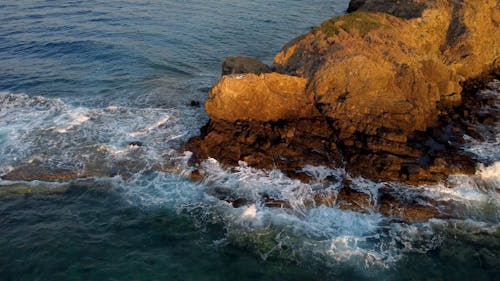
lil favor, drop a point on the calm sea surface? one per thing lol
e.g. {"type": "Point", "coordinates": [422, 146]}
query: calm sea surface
{"type": "Point", "coordinates": [80, 80]}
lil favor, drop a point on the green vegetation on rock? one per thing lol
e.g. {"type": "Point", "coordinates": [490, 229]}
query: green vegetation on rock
{"type": "Point", "coordinates": [362, 22]}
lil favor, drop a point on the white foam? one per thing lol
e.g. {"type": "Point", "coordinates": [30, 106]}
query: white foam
{"type": "Point", "coordinates": [72, 119]}
{"type": "Point", "coordinates": [332, 235]}
{"type": "Point", "coordinates": [325, 233]}
{"type": "Point", "coordinates": [249, 212]}
{"type": "Point", "coordinates": [73, 137]}
{"type": "Point", "coordinates": [112, 108]}
{"type": "Point", "coordinates": [482, 187]}
{"type": "Point", "coordinates": [148, 129]}
{"type": "Point", "coordinates": [491, 172]}
{"type": "Point", "coordinates": [487, 151]}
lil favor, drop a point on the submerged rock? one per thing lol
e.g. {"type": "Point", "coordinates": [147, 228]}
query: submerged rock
{"type": "Point", "coordinates": [379, 91]}
{"type": "Point", "coordinates": [98, 167]}
{"type": "Point", "coordinates": [23, 189]}
{"type": "Point", "coordinates": [136, 143]}
{"type": "Point", "coordinates": [194, 103]}
{"type": "Point", "coordinates": [41, 171]}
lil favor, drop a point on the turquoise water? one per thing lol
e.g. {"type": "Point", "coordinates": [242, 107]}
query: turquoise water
{"type": "Point", "coordinates": [81, 80]}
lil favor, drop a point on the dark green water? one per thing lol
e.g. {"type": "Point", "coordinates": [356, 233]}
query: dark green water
{"type": "Point", "coordinates": [91, 233]}
{"type": "Point", "coordinates": [102, 230]}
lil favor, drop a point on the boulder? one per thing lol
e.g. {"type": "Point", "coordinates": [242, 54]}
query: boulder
{"type": "Point", "coordinates": [265, 97]}
{"type": "Point", "coordinates": [407, 9]}
{"type": "Point", "coordinates": [241, 65]}
{"type": "Point", "coordinates": [354, 5]}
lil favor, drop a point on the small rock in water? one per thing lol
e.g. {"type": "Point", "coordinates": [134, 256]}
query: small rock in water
{"type": "Point", "coordinates": [136, 143]}
{"type": "Point", "coordinates": [196, 175]}
{"type": "Point", "coordinates": [240, 202]}
{"type": "Point", "coordinates": [195, 103]}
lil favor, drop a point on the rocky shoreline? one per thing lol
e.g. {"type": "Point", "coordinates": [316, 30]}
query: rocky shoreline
{"type": "Point", "coordinates": [388, 96]}
{"type": "Point", "coordinates": [386, 92]}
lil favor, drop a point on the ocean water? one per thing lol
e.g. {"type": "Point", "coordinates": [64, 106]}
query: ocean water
{"type": "Point", "coordinates": [81, 80]}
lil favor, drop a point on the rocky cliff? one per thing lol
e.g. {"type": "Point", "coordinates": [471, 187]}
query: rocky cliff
{"type": "Point", "coordinates": [379, 91]}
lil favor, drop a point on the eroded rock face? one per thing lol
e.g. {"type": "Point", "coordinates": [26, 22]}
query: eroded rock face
{"type": "Point", "coordinates": [287, 146]}
{"type": "Point", "coordinates": [386, 81]}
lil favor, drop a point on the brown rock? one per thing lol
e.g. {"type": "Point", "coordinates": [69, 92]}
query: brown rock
{"type": "Point", "coordinates": [379, 89]}
{"type": "Point", "coordinates": [276, 203]}
{"type": "Point", "coordinates": [327, 199]}
{"type": "Point", "coordinates": [402, 8]}
{"type": "Point", "coordinates": [409, 210]}
{"type": "Point", "coordinates": [196, 175]}
{"type": "Point", "coordinates": [371, 70]}
{"type": "Point", "coordinates": [265, 97]}
{"type": "Point", "coordinates": [241, 65]}
{"type": "Point", "coordinates": [268, 145]}
{"type": "Point", "coordinates": [350, 199]}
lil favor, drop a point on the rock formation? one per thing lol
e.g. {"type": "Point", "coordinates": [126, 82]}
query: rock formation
{"type": "Point", "coordinates": [373, 90]}
{"type": "Point", "coordinates": [239, 65]}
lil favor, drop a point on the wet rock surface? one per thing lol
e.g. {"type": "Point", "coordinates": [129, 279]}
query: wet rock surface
{"type": "Point", "coordinates": [388, 201]}
{"type": "Point", "coordinates": [287, 146]}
